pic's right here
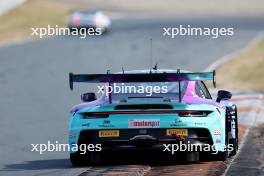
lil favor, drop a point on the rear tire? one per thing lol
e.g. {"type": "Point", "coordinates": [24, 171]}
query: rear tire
{"type": "Point", "coordinates": [234, 143]}
{"type": "Point", "coordinates": [77, 159]}
{"type": "Point", "coordinates": [192, 156]}
{"type": "Point", "coordinates": [222, 156]}
{"type": "Point", "coordinates": [91, 158]}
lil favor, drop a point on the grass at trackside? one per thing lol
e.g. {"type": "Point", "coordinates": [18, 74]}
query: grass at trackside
{"type": "Point", "coordinates": [245, 71]}
{"type": "Point", "coordinates": [17, 23]}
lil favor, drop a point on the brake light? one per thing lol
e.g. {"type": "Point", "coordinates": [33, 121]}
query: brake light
{"type": "Point", "coordinates": [194, 113]}
{"type": "Point", "coordinates": [95, 115]}
{"type": "Point", "coordinates": [75, 20]}
{"type": "Point", "coordinates": [182, 113]}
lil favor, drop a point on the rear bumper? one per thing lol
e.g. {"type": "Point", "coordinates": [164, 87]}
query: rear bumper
{"type": "Point", "coordinates": [148, 145]}
{"type": "Point", "coordinates": [143, 139]}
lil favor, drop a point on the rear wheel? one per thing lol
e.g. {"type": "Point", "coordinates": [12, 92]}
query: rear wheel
{"type": "Point", "coordinates": [222, 156]}
{"type": "Point", "coordinates": [234, 147]}
{"type": "Point", "coordinates": [192, 156]}
{"type": "Point", "coordinates": [78, 159]}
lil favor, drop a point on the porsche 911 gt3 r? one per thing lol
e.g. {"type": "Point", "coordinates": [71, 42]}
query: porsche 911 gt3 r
{"type": "Point", "coordinates": [185, 113]}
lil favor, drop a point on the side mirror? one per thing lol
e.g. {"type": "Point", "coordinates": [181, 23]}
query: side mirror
{"type": "Point", "coordinates": [87, 97]}
{"type": "Point", "coordinates": [223, 95]}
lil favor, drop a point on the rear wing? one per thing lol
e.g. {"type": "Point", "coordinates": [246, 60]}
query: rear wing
{"type": "Point", "coordinates": [141, 77]}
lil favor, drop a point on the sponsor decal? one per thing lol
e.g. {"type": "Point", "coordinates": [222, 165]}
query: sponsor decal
{"type": "Point", "coordinates": [106, 124]}
{"type": "Point", "coordinates": [217, 132]}
{"type": "Point", "coordinates": [180, 123]}
{"type": "Point", "coordinates": [86, 124]}
{"type": "Point", "coordinates": [143, 123]}
{"type": "Point", "coordinates": [200, 123]}
{"type": "Point", "coordinates": [177, 123]}
{"type": "Point", "coordinates": [178, 133]}
{"type": "Point", "coordinates": [218, 141]}
{"type": "Point", "coordinates": [109, 133]}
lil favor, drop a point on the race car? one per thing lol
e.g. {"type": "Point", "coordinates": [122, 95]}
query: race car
{"type": "Point", "coordinates": [89, 19]}
{"type": "Point", "coordinates": [178, 110]}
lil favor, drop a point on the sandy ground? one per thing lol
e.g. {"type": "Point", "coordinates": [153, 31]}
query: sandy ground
{"type": "Point", "coordinates": [179, 7]}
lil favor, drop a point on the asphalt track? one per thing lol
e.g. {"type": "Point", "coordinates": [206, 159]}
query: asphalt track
{"type": "Point", "coordinates": [35, 97]}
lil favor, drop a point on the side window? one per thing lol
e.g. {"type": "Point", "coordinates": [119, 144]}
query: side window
{"type": "Point", "coordinates": [198, 90]}
{"type": "Point", "coordinates": [201, 90]}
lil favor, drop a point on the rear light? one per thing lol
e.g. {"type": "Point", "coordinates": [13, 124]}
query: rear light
{"type": "Point", "coordinates": [181, 113]}
{"type": "Point", "coordinates": [194, 113]}
{"type": "Point", "coordinates": [95, 115]}
{"type": "Point", "coordinates": [75, 20]}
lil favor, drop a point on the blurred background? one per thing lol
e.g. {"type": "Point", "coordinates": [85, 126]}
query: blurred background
{"type": "Point", "coordinates": [15, 23]}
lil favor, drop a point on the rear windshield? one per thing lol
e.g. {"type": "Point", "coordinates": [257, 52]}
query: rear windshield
{"type": "Point", "coordinates": [147, 90]}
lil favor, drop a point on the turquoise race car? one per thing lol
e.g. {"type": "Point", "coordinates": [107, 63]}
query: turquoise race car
{"type": "Point", "coordinates": [158, 109]}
